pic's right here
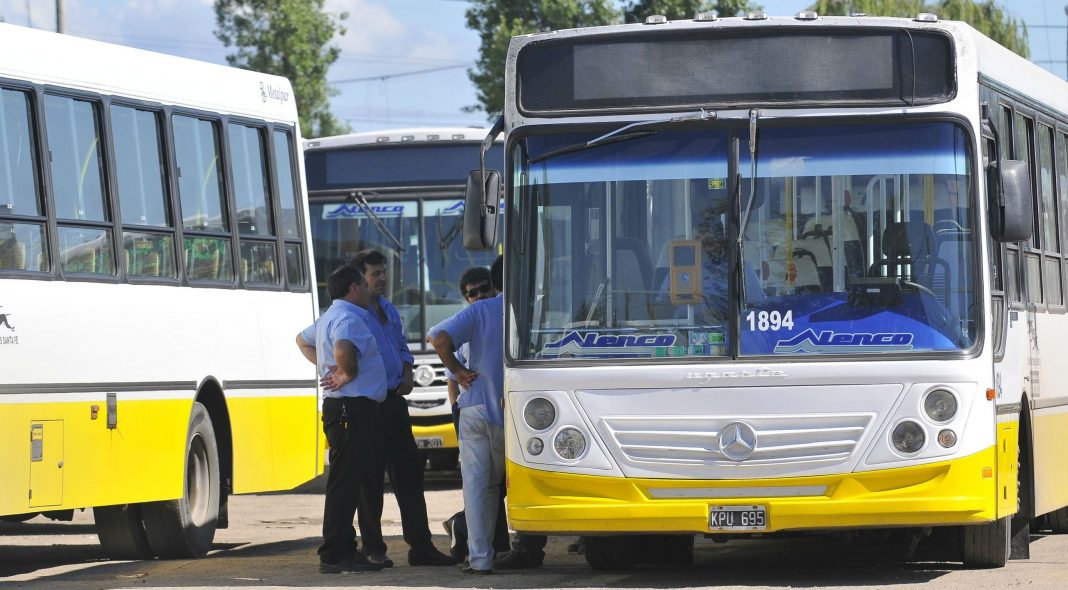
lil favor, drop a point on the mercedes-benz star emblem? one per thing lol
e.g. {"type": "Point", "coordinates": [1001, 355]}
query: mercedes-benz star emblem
{"type": "Point", "coordinates": [737, 441]}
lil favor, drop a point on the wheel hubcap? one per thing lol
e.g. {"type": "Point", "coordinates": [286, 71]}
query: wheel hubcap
{"type": "Point", "coordinates": [197, 481]}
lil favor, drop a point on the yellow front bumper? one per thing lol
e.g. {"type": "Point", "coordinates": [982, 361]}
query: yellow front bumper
{"type": "Point", "coordinates": [960, 491]}
{"type": "Point", "coordinates": [445, 432]}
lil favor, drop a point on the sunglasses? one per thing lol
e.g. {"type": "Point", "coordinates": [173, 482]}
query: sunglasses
{"type": "Point", "coordinates": [474, 292]}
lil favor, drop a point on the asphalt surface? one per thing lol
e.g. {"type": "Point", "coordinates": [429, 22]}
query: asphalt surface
{"type": "Point", "coordinates": [272, 541]}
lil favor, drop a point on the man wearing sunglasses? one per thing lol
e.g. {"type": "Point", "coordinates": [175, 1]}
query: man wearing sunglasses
{"type": "Point", "coordinates": [475, 285]}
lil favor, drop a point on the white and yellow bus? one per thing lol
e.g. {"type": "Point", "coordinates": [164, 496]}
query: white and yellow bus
{"type": "Point", "coordinates": [783, 274]}
{"type": "Point", "coordinates": [401, 192]}
{"type": "Point", "coordinates": [153, 271]}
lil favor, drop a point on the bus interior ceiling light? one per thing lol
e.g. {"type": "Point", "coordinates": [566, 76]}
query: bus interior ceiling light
{"type": "Point", "coordinates": [807, 15]}
{"type": "Point", "coordinates": [656, 19]}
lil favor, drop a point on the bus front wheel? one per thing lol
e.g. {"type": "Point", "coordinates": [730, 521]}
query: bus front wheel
{"type": "Point", "coordinates": [986, 545]}
{"type": "Point", "coordinates": [185, 527]}
{"type": "Point", "coordinates": [121, 534]}
{"type": "Point", "coordinates": [612, 553]}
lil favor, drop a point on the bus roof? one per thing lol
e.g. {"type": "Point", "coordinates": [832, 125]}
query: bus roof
{"type": "Point", "coordinates": [43, 57]}
{"type": "Point", "coordinates": [976, 53]}
{"type": "Point", "coordinates": [395, 136]}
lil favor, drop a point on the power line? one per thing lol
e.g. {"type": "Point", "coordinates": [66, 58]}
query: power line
{"type": "Point", "coordinates": [398, 75]}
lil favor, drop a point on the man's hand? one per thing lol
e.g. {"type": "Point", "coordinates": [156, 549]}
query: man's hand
{"type": "Point", "coordinates": [334, 379]}
{"type": "Point", "coordinates": [464, 376]}
{"type": "Point", "coordinates": [407, 383]}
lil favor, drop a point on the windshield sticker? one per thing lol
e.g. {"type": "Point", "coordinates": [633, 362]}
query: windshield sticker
{"type": "Point", "coordinates": [357, 211]}
{"type": "Point", "coordinates": [596, 345]}
{"type": "Point", "coordinates": [844, 342]}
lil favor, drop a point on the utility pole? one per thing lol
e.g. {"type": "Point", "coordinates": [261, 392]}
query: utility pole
{"type": "Point", "coordinates": [61, 16]}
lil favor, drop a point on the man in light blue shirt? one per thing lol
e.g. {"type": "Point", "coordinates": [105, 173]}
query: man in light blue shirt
{"type": "Point", "coordinates": [348, 354]}
{"type": "Point", "coordinates": [481, 327]}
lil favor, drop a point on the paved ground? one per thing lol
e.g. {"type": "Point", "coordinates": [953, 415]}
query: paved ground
{"type": "Point", "coordinates": [272, 542]}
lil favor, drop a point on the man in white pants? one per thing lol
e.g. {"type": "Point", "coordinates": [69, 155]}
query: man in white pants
{"type": "Point", "coordinates": [481, 327]}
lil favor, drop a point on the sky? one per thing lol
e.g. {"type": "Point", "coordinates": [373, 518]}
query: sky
{"type": "Point", "coordinates": [403, 62]}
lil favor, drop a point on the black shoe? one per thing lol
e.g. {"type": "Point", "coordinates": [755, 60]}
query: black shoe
{"type": "Point", "coordinates": [430, 556]}
{"type": "Point", "coordinates": [517, 560]}
{"type": "Point", "coordinates": [467, 569]}
{"type": "Point", "coordinates": [358, 564]}
{"type": "Point", "coordinates": [379, 559]}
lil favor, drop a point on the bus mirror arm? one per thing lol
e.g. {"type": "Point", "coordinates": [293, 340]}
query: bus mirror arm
{"type": "Point", "coordinates": [482, 198]}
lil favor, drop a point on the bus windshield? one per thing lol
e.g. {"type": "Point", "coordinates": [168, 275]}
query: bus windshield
{"type": "Point", "coordinates": [424, 273]}
{"type": "Point", "coordinates": [859, 241]}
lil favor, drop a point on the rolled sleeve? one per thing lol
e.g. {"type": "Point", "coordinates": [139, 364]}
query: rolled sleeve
{"type": "Point", "coordinates": [308, 334]}
{"type": "Point", "coordinates": [460, 327]}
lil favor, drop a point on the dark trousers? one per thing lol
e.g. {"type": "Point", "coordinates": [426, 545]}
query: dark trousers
{"type": "Point", "coordinates": [351, 428]}
{"type": "Point", "coordinates": [532, 544]}
{"type": "Point", "coordinates": [406, 465]}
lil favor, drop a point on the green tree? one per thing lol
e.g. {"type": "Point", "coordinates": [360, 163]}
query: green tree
{"type": "Point", "coordinates": [288, 38]}
{"type": "Point", "coordinates": [986, 16]}
{"type": "Point", "coordinates": [635, 11]}
{"type": "Point", "coordinates": [497, 21]}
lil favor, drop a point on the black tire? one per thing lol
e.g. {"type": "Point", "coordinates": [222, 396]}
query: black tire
{"type": "Point", "coordinates": [444, 460]}
{"type": "Point", "coordinates": [18, 517]}
{"type": "Point", "coordinates": [121, 532]}
{"type": "Point", "coordinates": [1058, 521]}
{"type": "Point", "coordinates": [985, 546]}
{"type": "Point", "coordinates": [612, 553]}
{"type": "Point", "coordinates": [185, 527]}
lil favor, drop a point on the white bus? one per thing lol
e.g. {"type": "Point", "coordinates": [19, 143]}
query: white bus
{"type": "Point", "coordinates": [153, 272]}
{"type": "Point", "coordinates": [783, 274]}
{"type": "Point", "coordinates": [401, 191]}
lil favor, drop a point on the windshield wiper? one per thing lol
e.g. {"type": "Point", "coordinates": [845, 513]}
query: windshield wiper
{"type": "Point", "coordinates": [376, 221]}
{"type": "Point", "coordinates": [753, 116]}
{"type": "Point", "coordinates": [624, 133]}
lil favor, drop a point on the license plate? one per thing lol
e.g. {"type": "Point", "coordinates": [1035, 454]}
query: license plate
{"type": "Point", "coordinates": [430, 442]}
{"type": "Point", "coordinates": [737, 518]}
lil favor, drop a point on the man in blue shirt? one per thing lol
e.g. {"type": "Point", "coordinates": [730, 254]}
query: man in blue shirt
{"type": "Point", "coordinates": [398, 450]}
{"type": "Point", "coordinates": [349, 355]}
{"type": "Point", "coordinates": [400, 453]}
{"type": "Point", "coordinates": [481, 327]}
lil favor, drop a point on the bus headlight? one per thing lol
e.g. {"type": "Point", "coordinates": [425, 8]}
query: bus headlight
{"type": "Point", "coordinates": [908, 437]}
{"type": "Point", "coordinates": [569, 443]}
{"type": "Point", "coordinates": [947, 438]}
{"type": "Point", "coordinates": [940, 405]}
{"type": "Point", "coordinates": [535, 446]}
{"type": "Point", "coordinates": [539, 413]}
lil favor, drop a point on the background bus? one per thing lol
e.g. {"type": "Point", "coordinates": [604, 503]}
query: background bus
{"type": "Point", "coordinates": [802, 294]}
{"type": "Point", "coordinates": [401, 192]}
{"type": "Point", "coordinates": [153, 273]}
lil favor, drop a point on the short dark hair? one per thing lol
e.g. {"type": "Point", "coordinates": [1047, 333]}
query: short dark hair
{"type": "Point", "coordinates": [473, 276]}
{"type": "Point", "coordinates": [367, 257]}
{"type": "Point", "coordinates": [341, 279]}
{"type": "Point", "coordinates": [497, 273]}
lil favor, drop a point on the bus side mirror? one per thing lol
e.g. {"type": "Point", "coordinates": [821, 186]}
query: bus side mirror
{"type": "Point", "coordinates": [1011, 201]}
{"type": "Point", "coordinates": [481, 207]}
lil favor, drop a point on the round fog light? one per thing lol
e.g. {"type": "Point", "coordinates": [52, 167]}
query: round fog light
{"type": "Point", "coordinates": [947, 438]}
{"type": "Point", "coordinates": [535, 446]}
{"type": "Point", "coordinates": [940, 405]}
{"type": "Point", "coordinates": [569, 443]}
{"type": "Point", "coordinates": [539, 413]}
{"type": "Point", "coordinates": [908, 437]}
